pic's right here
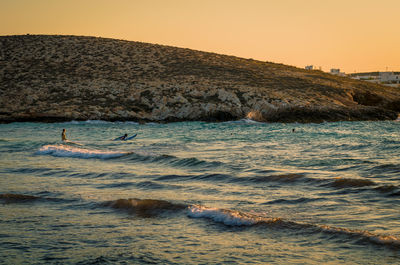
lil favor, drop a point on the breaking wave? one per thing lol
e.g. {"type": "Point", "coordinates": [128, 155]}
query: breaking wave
{"type": "Point", "coordinates": [148, 208]}
{"type": "Point", "coordinates": [100, 122]}
{"type": "Point", "coordinates": [151, 208]}
{"type": "Point", "coordinates": [70, 151]}
{"type": "Point", "coordinates": [227, 217]}
{"type": "Point", "coordinates": [237, 218]}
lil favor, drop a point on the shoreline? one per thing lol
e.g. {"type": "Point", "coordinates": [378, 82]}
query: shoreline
{"type": "Point", "coordinates": [257, 117]}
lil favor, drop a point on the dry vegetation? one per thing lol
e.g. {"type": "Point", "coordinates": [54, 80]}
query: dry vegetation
{"type": "Point", "coordinates": [54, 78]}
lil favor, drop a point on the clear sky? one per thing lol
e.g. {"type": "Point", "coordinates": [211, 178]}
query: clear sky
{"type": "Point", "coordinates": [353, 35]}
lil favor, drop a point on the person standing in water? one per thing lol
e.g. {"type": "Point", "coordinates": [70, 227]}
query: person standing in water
{"type": "Point", "coordinates": [63, 136]}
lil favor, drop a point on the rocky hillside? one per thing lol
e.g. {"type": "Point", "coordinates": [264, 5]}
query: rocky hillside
{"type": "Point", "coordinates": [57, 78]}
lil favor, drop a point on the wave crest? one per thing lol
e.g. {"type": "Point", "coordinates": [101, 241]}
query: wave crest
{"type": "Point", "coordinates": [145, 207]}
{"type": "Point", "coordinates": [350, 183]}
{"type": "Point", "coordinates": [236, 218]}
{"type": "Point", "coordinates": [150, 208]}
{"type": "Point", "coordinates": [389, 240]}
{"type": "Point", "coordinates": [71, 151]}
{"type": "Point", "coordinates": [227, 217]}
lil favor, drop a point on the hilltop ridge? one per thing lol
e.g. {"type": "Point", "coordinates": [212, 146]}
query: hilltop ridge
{"type": "Point", "coordinates": [60, 78]}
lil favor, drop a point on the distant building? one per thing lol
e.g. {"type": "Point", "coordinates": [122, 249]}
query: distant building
{"type": "Point", "coordinates": [336, 71]}
{"type": "Point", "coordinates": [385, 78]}
{"type": "Point", "coordinates": [309, 67]}
{"type": "Point", "coordinates": [390, 77]}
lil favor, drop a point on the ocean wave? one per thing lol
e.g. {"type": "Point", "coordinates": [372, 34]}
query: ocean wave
{"type": "Point", "coordinates": [362, 185]}
{"type": "Point", "coordinates": [294, 201]}
{"type": "Point", "coordinates": [30, 170]}
{"type": "Point", "coordinates": [287, 179]}
{"type": "Point", "coordinates": [24, 198]}
{"type": "Point", "coordinates": [237, 218]}
{"type": "Point", "coordinates": [362, 235]}
{"type": "Point", "coordinates": [116, 185]}
{"type": "Point", "coordinates": [70, 151]}
{"type": "Point", "coordinates": [17, 198]}
{"type": "Point", "coordinates": [227, 217]}
{"type": "Point", "coordinates": [246, 120]}
{"type": "Point", "coordinates": [100, 122]}
{"type": "Point", "coordinates": [386, 168]}
{"type": "Point", "coordinates": [152, 208]}
{"type": "Point", "coordinates": [186, 162]}
{"type": "Point", "coordinates": [386, 188]}
{"type": "Point", "coordinates": [351, 183]}
{"type": "Point", "coordinates": [204, 177]}
{"type": "Point", "coordinates": [174, 177]}
{"type": "Point", "coordinates": [292, 177]}
{"type": "Point", "coordinates": [337, 183]}
{"type": "Point", "coordinates": [189, 162]}
{"type": "Point", "coordinates": [145, 207]}
{"type": "Point", "coordinates": [150, 185]}
{"type": "Point", "coordinates": [87, 122]}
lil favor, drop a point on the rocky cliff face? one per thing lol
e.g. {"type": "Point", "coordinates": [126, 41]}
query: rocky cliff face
{"type": "Point", "coordinates": [57, 78]}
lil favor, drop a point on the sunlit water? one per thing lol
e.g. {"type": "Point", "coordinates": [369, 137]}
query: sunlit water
{"type": "Point", "coordinates": [200, 193]}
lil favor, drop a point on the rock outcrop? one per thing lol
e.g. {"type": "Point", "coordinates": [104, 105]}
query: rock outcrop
{"type": "Point", "coordinates": [60, 78]}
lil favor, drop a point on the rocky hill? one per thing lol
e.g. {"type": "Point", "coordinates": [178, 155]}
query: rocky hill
{"type": "Point", "coordinates": [59, 78]}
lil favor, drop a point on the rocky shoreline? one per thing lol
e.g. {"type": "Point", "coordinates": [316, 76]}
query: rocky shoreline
{"type": "Point", "coordinates": [48, 78]}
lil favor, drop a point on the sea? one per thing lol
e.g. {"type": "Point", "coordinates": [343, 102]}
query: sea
{"type": "Point", "coordinates": [239, 192]}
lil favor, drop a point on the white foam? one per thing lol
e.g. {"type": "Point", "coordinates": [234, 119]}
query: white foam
{"type": "Point", "coordinates": [100, 122]}
{"type": "Point", "coordinates": [70, 151]}
{"type": "Point", "coordinates": [247, 120]}
{"type": "Point", "coordinates": [87, 121]}
{"type": "Point", "coordinates": [227, 217]}
{"type": "Point", "coordinates": [96, 122]}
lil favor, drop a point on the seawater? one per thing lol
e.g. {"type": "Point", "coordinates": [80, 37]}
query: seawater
{"type": "Point", "coordinates": [200, 193]}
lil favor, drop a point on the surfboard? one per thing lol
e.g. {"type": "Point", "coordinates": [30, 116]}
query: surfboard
{"type": "Point", "coordinates": [131, 137]}
{"type": "Point", "coordinates": [126, 139]}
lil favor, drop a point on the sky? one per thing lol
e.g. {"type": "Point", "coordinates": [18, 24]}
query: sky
{"type": "Point", "coordinates": [353, 35]}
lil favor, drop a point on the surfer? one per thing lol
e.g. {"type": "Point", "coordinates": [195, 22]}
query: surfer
{"type": "Point", "coordinates": [63, 136]}
{"type": "Point", "coordinates": [123, 137]}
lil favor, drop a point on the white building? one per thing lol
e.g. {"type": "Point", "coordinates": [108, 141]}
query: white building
{"type": "Point", "coordinates": [389, 77]}
{"type": "Point", "coordinates": [384, 78]}
{"type": "Point", "coordinates": [336, 71]}
{"type": "Point", "coordinates": [309, 67]}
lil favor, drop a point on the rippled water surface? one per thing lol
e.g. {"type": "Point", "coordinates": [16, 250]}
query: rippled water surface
{"type": "Point", "coordinates": [200, 193]}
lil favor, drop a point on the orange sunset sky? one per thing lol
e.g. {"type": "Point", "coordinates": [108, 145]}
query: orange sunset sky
{"type": "Point", "coordinates": [353, 35]}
